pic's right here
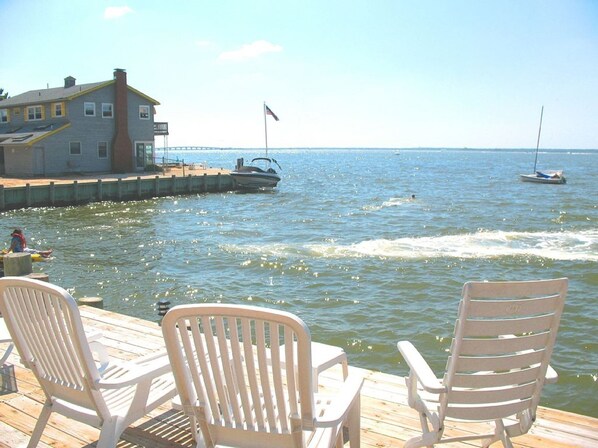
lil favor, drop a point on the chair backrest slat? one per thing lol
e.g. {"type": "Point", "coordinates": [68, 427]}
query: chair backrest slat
{"type": "Point", "coordinates": [278, 380]}
{"type": "Point", "coordinates": [494, 308]}
{"type": "Point", "coordinates": [290, 356]}
{"type": "Point", "coordinates": [265, 391]}
{"type": "Point", "coordinates": [227, 365]}
{"type": "Point", "coordinates": [486, 327]}
{"type": "Point", "coordinates": [494, 395]}
{"type": "Point", "coordinates": [237, 351]}
{"type": "Point", "coordinates": [498, 363]}
{"type": "Point", "coordinates": [496, 411]}
{"type": "Point", "coordinates": [211, 372]}
{"type": "Point", "coordinates": [496, 346]}
{"type": "Point", "coordinates": [482, 380]}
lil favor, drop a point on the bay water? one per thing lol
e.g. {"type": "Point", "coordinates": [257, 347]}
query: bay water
{"type": "Point", "coordinates": [343, 244]}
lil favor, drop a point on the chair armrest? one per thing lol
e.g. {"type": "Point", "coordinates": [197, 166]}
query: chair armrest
{"type": "Point", "coordinates": [420, 368]}
{"type": "Point", "coordinates": [101, 353]}
{"type": "Point", "coordinates": [150, 357]}
{"type": "Point", "coordinates": [93, 335]}
{"type": "Point", "coordinates": [551, 375]}
{"type": "Point", "coordinates": [137, 372]}
{"type": "Point", "coordinates": [341, 403]}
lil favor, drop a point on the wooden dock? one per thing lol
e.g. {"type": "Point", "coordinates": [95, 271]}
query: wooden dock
{"type": "Point", "coordinates": [80, 189]}
{"type": "Point", "coordinates": [386, 420]}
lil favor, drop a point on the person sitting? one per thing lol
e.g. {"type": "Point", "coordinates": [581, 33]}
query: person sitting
{"type": "Point", "coordinates": [18, 243]}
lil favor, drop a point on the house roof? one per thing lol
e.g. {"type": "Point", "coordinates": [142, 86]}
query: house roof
{"type": "Point", "coordinates": [29, 134]}
{"type": "Point", "coordinates": [62, 94]}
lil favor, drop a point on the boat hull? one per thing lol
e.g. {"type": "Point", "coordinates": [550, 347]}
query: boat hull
{"type": "Point", "coordinates": [552, 177]}
{"type": "Point", "coordinates": [255, 180]}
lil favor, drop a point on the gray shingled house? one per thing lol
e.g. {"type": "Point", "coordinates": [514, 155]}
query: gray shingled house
{"type": "Point", "coordinates": [99, 127]}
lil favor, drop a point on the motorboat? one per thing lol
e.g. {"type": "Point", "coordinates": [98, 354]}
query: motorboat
{"type": "Point", "coordinates": [545, 177]}
{"type": "Point", "coordinates": [258, 174]}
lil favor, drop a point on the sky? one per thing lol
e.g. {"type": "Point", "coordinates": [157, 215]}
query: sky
{"type": "Point", "coordinates": [338, 73]}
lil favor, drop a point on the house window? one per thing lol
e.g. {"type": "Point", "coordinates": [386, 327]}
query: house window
{"type": "Point", "coordinates": [102, 150]}
{"type": "Point", "coordinates": [90, 109]}
{"type": "Point", "coordinates": [34, 113]}
{"type": "Point", "coordinates": [144, 112]}
{"type": "Point", "coordinates": [107, 111]}
{"type": "Point", "coordinates": [58, 109]}
{"type": "Point", "coordinates": [75, 148]}
{"type": "Point", "coordinates": [4, 116]}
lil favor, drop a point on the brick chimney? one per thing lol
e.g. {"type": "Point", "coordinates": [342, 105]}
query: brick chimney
{"type": "Point", "coordinates": [122, 148]}
{"type": "Point", "coordinates": [69, 81]}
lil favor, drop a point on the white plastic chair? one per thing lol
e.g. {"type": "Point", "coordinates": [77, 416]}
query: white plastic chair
{"type": "Point", "coordinates": [498, 363]}
{"type": "Point", "coordinates": [46, 327]}
{"type": "Point", "coordinates": [5, 338]}
{"type": "Point", "coordinates": [229, 364]}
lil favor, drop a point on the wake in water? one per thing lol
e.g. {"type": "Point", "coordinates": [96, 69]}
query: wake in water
{"type": "Point", "coordinates": [569, 246]}
{"type": "Point", "coordinates": [392, 202]}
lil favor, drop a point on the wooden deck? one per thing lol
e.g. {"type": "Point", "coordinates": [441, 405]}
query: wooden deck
{"type": "Point", "coordinates": [81, 189]}
{"type": "Point", "coordinates": [386, 420]}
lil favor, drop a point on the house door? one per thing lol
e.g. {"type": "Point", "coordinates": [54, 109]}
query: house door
{"type": "Point", "coordinates": [2, 167]}
{"type": "Point", "coordinates": [38, 161]}
{"type": "Point", "coordinates": [144, 154]}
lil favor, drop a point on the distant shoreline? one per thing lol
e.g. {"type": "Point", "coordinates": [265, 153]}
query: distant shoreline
{"type": "Point", "coordinates": [200, 149]}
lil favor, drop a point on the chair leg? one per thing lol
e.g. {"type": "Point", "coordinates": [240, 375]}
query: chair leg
{"type": "Point", "coordinates": [40, 425]}
{"type": "Point", "coordinates": [6, 354]}
{"type": "Point", "coordinates": [354, 423]}
{"type": "Point", "coordinates": [506, 441]}
{"type": "Point", "coordinates": [418, 442]}
{"type": "Point", "coordinates": [108, 435]}
{"type": "Point", "coordinates": [501, 434]}
{"type": "Point", "coordinates": [423, 419]}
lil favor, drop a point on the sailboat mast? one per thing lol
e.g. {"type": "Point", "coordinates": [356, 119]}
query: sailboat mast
{"type": "Point", "coordinates": [266, 129]}
{"type": "Point", "coordinates": [538, 142]}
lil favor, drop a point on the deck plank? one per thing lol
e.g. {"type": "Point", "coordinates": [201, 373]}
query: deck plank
{"type": "Point", "coordinates": [386, 419]}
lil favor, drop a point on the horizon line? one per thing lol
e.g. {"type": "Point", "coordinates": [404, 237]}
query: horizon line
{"type": "Point", "coordinates": [390, 148]}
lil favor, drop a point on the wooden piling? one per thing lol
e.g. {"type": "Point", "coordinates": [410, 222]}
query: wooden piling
{"type": "Point", "coordinates": [39, 276]}
{"type": "Point", "coordinates": [96, 302]}
{"type": "Point", "coordinates": [16, 264]}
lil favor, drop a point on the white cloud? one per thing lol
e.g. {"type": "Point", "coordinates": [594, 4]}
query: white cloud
{"type": "Point", "coordinates": [250, 51]}
{"type": "Point", "coordinates": [115, 12]}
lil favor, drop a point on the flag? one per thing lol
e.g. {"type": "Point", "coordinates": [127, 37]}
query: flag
{"type": "Point", "coordinates": [269, 112]}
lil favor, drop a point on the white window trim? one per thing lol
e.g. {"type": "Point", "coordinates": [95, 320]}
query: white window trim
{"type": "Point", "coordinates": [4, 116]}
{"type": "Point", "coordinates": [149, 112]}
{"type": "Point", "coordinates": [111, 110]}
{"type": "Point", "coordinates": [107, 150]}
{"type": "Point", "coordinates": [40, 110]}
{"type": "Point", "coordinates": [85, 104]}
{"type": "Point", "coordinates": [54, 114]}
{"type": "Point", "coordinates": [80, 148]}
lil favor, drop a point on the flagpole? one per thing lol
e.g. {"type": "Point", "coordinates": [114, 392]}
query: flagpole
{"type": "Point", "coordinates": [266, 129]}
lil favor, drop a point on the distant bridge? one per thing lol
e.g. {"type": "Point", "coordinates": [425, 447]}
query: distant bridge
{"type": "Point", "coordinates": [190, 148]}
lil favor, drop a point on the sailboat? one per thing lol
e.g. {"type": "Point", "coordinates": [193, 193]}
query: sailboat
{"type": "Point", "coordinates": [259, 174]}
{"type": "Point", "coordinates": [545, 176]}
